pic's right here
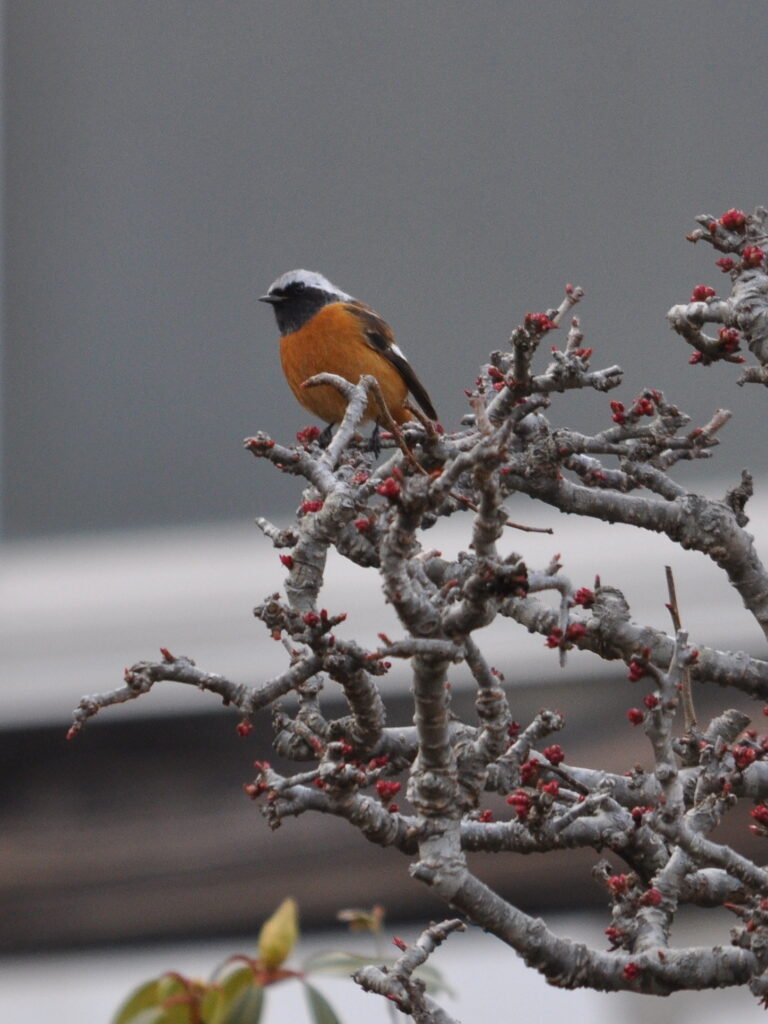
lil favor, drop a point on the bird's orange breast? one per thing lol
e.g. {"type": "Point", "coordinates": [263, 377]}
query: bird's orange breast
{"type": "Point", "coordinates": [333, 342]}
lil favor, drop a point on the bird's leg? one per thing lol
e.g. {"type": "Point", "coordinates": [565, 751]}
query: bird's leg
{"type": "Point", "coordinates": [374, 444]}
{"type": "Point", "coordinates": [325, 437]}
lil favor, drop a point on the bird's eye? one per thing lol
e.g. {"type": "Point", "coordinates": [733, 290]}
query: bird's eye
{"type": "Point", "coordinates": [300, 286]}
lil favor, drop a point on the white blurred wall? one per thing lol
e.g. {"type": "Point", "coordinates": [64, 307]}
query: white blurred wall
{"type": "Point", "coordinates": [75, 611]}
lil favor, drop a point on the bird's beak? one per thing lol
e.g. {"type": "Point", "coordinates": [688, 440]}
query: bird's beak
{"type": "Point", "coordinates": [273, 300]}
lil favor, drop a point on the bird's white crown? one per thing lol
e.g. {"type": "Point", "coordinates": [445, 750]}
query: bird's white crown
{"type": "Point", "coordinates": [310, 279]}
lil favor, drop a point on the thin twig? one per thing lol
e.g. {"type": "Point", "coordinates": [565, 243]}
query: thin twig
{"type": "Point", "coordinates": [373, 386]}
{"type": "Point", "coordinates": [689, 712]}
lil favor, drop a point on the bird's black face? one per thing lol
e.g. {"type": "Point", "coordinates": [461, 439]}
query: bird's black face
{"type": "Point", "coordinates": [296, 303]}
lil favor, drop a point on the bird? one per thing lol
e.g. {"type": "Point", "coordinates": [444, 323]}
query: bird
{"type": "Point", "coordinates": [324, 330]}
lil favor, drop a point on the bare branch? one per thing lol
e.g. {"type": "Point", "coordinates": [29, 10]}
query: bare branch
{"type": "Point", "coordinates": [419, 788]}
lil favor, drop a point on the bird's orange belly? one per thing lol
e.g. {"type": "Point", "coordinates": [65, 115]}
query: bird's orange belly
{"type": "Point", "coordinates": [338, 348]}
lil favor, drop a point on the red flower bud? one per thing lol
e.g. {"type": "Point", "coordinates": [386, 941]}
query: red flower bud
{"type": "Point", "coordinates": [584, 596]}
{"type": "Point", "coordinates": [388, 488]}
{"type": "Point", "coordinates": [752, 256]}
{"type": "Point", "coordinates": [702, 292]}
{"type": "Point", "coordinates": [378, 762]}
{"type": "Point", "coordinates": [614, 936]}
{"type": "Point", "coordinates": [618, 884]}
{"type": "Point", "coordinates": [651, 898]}
{"type": "Point", "coordinates": [642, 407]}
{"type": "Point", "coordinates": [308, 434]}
{"type": "Point", "coordinates": [554, 754]}
{"type": "Point", "coordinates": [539, 323]}
{"type": "Point", "coordinates": [729, 339]}
{"type": "Point", "coordinates": [555, 638]}
{"type": "Point", "coordinates": [743, 756]}
{"type": "Point", "coordinates": [287, 561]}
{"type": "Point", "coordinates": [576, 631]}
{"type": "Point", "coordinates": [617, 408]}
{"type": "Point", "coordinates": [651, 701]}
{"type": "Point", "coordinates": [726, 264]}
{"type": "Point", "coordinates": [521, 802]}
{"type": "Point", "coordinates": [311, 506]}
{"type": "Point", "coordinates": [254, 789]}
{"type": "Point", "coordinates": [734, 220]}
{"type": "Point", "coordinates": [631, 971]}
{"type": "Point", "coordinates": [636, 716]}
{"type": "Point", "coordinates": [636, 670]}
{"type": "Point", "coordinates": [387, 789]}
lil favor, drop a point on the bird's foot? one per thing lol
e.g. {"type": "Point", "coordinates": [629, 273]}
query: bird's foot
{"type": "Point", "coordinates": [325, 437]}
{"type": "Point", "coordinates": [374, 443]}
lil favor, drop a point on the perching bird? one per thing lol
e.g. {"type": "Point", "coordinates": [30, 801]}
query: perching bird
{"type": "Point", "coordinates": [324, 330]}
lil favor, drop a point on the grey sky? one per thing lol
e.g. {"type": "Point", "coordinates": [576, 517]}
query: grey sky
{"type": "Point", "coordinates": [451, 164]}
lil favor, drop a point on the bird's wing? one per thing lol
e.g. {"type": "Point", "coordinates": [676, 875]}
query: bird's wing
{"type": "Point", "coordinates": [379, 336]}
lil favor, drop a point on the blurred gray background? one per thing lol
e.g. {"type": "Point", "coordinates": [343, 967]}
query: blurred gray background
{"type": "Point", "coordinates": [451, 164]}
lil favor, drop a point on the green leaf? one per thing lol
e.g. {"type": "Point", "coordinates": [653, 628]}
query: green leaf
{"type": "Point", "coordinates": [279, 933]}
{"type": "Point", "coordinates": [170, 986]}
{"type": "Point", "coordinates": [236, 962]}
{"type": "Point", "coordinates": [247, 1006]}
{"type": "Point", "coordinates": [144, 998]}
{"type": "Point", "coordinates": [222, 997]}
{"type": "Point", "coordinates": [320, 1009]}
{"type": "Point", "coordinates": [181, 1014]}
{"type": "Point", "coordinates": [339, 963]}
